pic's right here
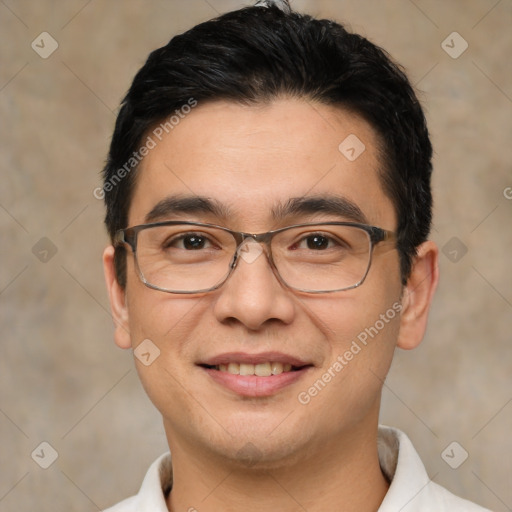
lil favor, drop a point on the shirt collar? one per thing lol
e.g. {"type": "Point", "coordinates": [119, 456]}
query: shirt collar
{"type": "Point", "coordinates": [410, 490]}
{"type": "Point", "coordinates": [156, 485]}
{"type": "Point", "coordinates": [402, 466]}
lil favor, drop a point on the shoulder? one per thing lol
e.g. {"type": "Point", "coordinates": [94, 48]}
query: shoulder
{"type": "Point", "coordinates": [411, 489]}
{"type": "Point", "coordinates": [128, 505]}
{"type": "Point", "coordinates": [449, 502]}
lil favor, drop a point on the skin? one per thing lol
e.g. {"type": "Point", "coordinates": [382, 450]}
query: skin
{"type": "Point", "coordinates": [312, 456]}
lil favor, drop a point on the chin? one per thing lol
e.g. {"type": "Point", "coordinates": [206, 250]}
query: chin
{"type": "Point", "coordinates": [262, 456]}
{"type": "Point", "coordinates": [261, 445]}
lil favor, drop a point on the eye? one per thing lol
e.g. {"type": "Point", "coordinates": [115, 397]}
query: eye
{"type": "Point", "coordinates": [188, 241]}
{"type": "Point", "coordinates": [317, 242]}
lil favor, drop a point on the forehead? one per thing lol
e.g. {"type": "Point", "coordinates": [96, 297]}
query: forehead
{"type": "Point", "coordinates": [254, 159]}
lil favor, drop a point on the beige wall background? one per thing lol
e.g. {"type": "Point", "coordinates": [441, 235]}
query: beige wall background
{"type": "Point", "coordinates": [62, 380]}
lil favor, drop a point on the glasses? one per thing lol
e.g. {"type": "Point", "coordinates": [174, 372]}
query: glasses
{"type": "Point", "coordinates": [193, 257]}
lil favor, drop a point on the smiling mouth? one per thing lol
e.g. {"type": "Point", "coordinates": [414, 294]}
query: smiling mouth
{"type": "Point", "coordinates": [260, 370]}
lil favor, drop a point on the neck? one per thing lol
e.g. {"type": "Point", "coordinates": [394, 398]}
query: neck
{"type": "Point", "coordinates": [344, 473]}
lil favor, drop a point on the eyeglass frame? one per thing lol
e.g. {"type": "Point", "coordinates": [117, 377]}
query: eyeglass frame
{"type": "Point", "coordinates": [129, 235]}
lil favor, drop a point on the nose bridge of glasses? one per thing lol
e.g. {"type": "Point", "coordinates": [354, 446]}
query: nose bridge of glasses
{"type": "Point", "coordinates": [250, 247]}
{"type": "Point", "coordinates": [243, 239]}
{"type": "Point", "coordinates": [242, 236]}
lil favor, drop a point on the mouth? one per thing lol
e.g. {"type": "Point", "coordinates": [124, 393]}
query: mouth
{"type": "Point", "coordinates": [255, 376]}
{"type": "Point", "coordinates": [261, 369]}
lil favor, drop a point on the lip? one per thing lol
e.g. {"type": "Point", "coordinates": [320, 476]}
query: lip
{"type": "Point", "coordinates": [252, 385]}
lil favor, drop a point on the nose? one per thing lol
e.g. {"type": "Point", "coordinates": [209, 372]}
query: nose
{"type": "Point", "coordinates": [253, 295]}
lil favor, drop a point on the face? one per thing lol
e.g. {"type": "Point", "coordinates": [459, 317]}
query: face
{"type": "Point", "coordinates": [252, 160]}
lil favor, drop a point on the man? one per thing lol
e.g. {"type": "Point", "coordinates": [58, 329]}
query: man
{"type": "Point", "coordinates": [268, 200]}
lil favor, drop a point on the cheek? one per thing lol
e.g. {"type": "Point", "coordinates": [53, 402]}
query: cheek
{"type": "Point", "coordinates": [360, 330]}
{"type": "Point", "coordinates": [348, 388]}
{"type": "Point", "coordinates": [359, 315]}
{"type": "Point", "coordinates": [161, 325]}
{"type": "Point", "coordinates": [361, 339]}
{"type": "Point", "coordinates": [157, 315]}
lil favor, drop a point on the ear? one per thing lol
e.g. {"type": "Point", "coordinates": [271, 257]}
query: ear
{"type": "Point", "coordinates": [117, 298]}
{"type": "Point", "coordinates": [417, 296]}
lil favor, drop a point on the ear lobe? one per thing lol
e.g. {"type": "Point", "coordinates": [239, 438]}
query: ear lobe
{"type": "Point", "coordinates": [117, 298]}
{"type": "Point", "coordinates": [418, 294]}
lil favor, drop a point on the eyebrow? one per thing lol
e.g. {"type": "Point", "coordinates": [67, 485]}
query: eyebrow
{"type": "Point", "coordinates": [175, 205]}
{"type": "Point", "coordinates": [338, 206]}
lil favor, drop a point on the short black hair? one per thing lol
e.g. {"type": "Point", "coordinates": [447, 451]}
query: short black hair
{"type": "Point", "coordinates": [255, 55]}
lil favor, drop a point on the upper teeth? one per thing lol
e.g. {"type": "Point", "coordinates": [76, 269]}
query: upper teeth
{"type": "Point", "coordinates": [261, 369]}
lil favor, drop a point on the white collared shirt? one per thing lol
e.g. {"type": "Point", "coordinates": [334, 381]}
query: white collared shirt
{"type": "Point", "coordinates": [411, 490]}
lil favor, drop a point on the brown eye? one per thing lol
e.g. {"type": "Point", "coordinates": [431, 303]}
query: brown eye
{"type": "Point", "coordinates": [188, 241]}
{"type": "Point", "coordinates": [317, 242]}
{"type": "Point", "coordinates": [194, 242]}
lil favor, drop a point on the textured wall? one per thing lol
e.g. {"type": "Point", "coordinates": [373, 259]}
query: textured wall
{"type": "Point", "coordinates": [62, 380]}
